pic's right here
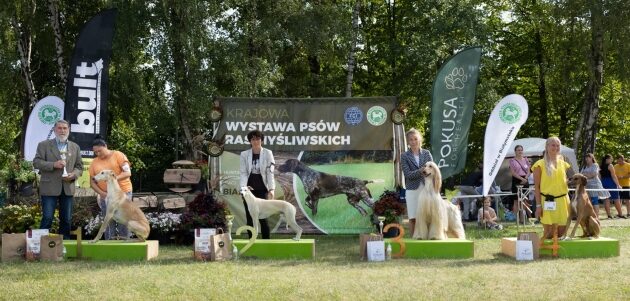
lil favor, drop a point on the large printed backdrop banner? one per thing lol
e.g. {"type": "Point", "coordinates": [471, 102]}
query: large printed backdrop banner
{"type": "Point", "coordinates": [347, 137]}
{"type": "Point", "coordinates": [453, 99]}
{"type": "Point", "coordinates": [88, 81]}
{"type": "Point", "coordinates": [319, 124]}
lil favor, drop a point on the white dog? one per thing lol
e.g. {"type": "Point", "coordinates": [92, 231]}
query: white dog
{"type": "Point", "coordinates": [260, 209]}
{"type": "Point", "coordinates": [120, 209]}
{"type": "Point", "coordinates": [436, 218]}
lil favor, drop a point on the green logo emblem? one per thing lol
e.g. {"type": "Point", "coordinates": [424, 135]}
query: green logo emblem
{"type": "Point", "coordinates": [49, 114]}
{"type": "Point", "coordinates": [376, 115]}
{"type": "Point", "coordinates": [510, 113]}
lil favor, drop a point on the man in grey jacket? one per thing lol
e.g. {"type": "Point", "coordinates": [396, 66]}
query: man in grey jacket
{"type": "Point", "coordinates": [52, 158]}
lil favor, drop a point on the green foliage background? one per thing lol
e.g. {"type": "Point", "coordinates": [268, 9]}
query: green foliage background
{"type": "Point", "coordinates": [170, 58]}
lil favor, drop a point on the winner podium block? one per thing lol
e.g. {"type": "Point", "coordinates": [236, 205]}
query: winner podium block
{"type": "Point", "coordinates": [575, 248]}
{"type": "Point", "coordinates": [435, 249]}
{"type": "Point", "coordinates": [113, 250]}
{"type": "Point", "coordinates": [277, 248]}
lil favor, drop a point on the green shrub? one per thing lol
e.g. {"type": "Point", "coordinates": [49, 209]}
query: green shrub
{"type": "Point", "coordinates": [19, 218]}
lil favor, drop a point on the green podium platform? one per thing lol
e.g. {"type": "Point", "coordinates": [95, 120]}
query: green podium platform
{"type": "Point", "coordinates": [277, 248]}
{"type": "Point", "coordinates": [585, 248]}
{"type": "Point", "coordinates": [576, 248]}
{"type": "Point", "coordinates": [113, 250]}
{"type": "Point", "coordinates": [436, 249]}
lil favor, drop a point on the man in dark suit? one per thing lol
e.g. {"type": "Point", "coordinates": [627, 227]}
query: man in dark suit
{"type": "Point", "coordinates": [52, 158]}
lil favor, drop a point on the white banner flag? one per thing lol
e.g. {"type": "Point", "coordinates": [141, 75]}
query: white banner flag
{"type": "Point", "coordinates": [506, 119]}
{"type": "Point", "coordinates": [40, 124]}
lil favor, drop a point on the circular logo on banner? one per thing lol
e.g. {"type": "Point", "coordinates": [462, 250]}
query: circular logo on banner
{"type": "Point", "coordinates": [216, 114]}
{"type": "Point", "coordinates": [353, 115]}
{"type": "Point", "coordinates": [215, 149]}
{"type": "Point", "coordinates": [376, 115]}
{"type": "Point", "coordinates": [510, 113]}
{"type": "Point", "coordinates": [49, 114]}
{"type": "Point", "coordinates": [397, 116]}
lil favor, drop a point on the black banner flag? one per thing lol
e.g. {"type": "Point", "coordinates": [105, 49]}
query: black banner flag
{"type": "Point", "coordinates": [88, 81]}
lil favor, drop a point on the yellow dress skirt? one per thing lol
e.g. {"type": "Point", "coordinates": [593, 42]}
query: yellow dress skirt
{"type": "Point", "coordinates": [558, 216]}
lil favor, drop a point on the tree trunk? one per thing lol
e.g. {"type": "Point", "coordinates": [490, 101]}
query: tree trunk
{"type": "Point", "coordinates": [181, 81]}
{"type": "Point", "coordinates": [250, 13]}
{"type": "Point", "coordinates": [391, 22]}
{"type": "Point", "coordinates": [590, 108]}
{"type": "Point", "coordinates": [24, 45]}
{"type": "Point", "coordinates": [542, 88]}
{"type": "Point", "coordinates": [53, 8]}
{"type": "Point", "coordinates": [353, 48]}
{"type": "Point", "coordinates": [315, 71]}
{"type": "Point", "coordinates": [566, 92]}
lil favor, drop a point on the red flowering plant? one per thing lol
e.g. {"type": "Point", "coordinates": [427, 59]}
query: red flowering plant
{"type": "Point", "coordinates": [388, 205]}
{"type": "Point", "coordinates": [205, 211]}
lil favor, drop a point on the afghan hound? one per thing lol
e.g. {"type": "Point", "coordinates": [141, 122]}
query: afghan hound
{"type": "Point", "coordinates": [436, 218]}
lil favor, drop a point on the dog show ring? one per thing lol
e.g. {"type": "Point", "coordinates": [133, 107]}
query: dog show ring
{"type": "Point", "coordinates": [277, 248]}
{"type": "Point", "coordinates": [435, 249]}
{"type": "Point", "coordinates": [113, 250]}
{"type": "Point", "coordinates": [575, 248]}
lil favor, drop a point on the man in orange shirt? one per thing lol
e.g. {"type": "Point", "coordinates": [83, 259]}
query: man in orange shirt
{"type": "Point", "coordinates": [622, 170]}
{"type": "Point", "coordinates": [117, 162]}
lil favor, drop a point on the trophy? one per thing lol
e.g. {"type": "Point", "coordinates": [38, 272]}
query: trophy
{"type": "Point", "coordinates": [381, 219]}
{"type": "Point", "coordinates": [229, 218]}
{"type": "Point", "coordinates": [63, 157]}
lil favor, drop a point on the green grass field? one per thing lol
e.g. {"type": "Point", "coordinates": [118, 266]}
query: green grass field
{"type": "Point", "coordinates": [335, 274]}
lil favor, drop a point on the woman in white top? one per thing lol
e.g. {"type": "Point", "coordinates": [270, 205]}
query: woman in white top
{"type": "Point", "coordinates": [411, 163]}
{"type": "Point", "coordinates": [591, 172]}
{"type": "Point", "coordinates": [256, 171]}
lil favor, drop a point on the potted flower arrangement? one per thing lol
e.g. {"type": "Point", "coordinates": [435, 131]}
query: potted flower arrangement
{"type": "Point", "coordinates": [92, 225]}
{"type": "Point", "coordinates": [17, 174]}
{"type": "Point", "coordinates": [163, 225]}
{"type": "Point", "coordinates": [205, 211]}
{"type": "Point", "coordinates": [19, 218]}
{"type": "Point", "coordinates": [389, 206]}
{"type": "Point", "coordinates": [83, 212]}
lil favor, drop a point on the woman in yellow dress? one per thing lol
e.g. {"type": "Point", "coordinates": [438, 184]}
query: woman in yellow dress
{"type": "Point", "coordinates": [551, 189]}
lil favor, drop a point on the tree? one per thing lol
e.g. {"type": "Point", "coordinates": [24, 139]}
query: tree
{"type": "Point", "coordinates": [174, 56]}
{"type": "Point", "coordinates": [353, 47]}
{"type": "Point", "coordinates": [586, 130]}
{"type": "Point", "coordinates": [53, 9]}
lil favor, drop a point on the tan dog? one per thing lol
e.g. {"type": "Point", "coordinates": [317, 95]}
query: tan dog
{"type": "Point", "coordinates": [436, 218]}
{"type": "Point", "coordinates": [582, 208]}
{"type": "Point", "coordinates": [260, 209]}
{"type": "Point", "coordinates": [120, 209]}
